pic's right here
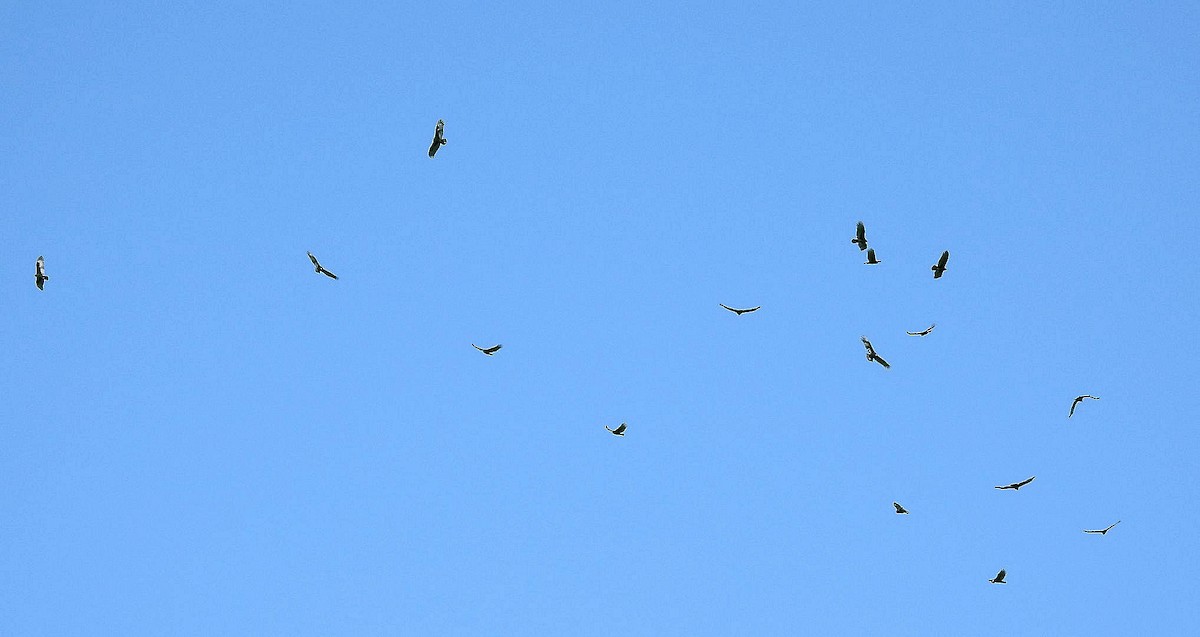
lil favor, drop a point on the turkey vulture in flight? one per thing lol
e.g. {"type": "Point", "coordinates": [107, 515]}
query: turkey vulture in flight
{"type": "Point", "coordinates": [899, 509]}
{"type": "Point", "coordinates": [872, 356]}
{"type": "Point", "coordinates": [860, 237]}
{"type": "Point", "coordinates": [438, 140]}
{"type": "Point", "coordinates": [925, 332]}
{"type": "Point", "coordinates": [737, 311]}
{"type": "Point", "coordinates": [871, 260]}
{"type": "Point", "coordinates": [999, 579]}
{"type": "Point", "coordinates": [1103, 531]}
{"type": "Point", "coordinates": [489, 351]}
{"type": "Point", "coordinates": [321, 269]}
{"type": "Point", "coordinates": [619, 431]}
{"type": "Point", "coordinates": [1017, 485]}
{"type": "Point", "coordinates": [40, 273]}
{"type": "Point", "coordinates": [1078, 399]}
{"type": "Point", "coordinates": [940, 268]}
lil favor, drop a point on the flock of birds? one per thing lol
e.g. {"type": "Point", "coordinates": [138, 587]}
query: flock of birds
{"type": "Point", "coordinates": [860, 239]}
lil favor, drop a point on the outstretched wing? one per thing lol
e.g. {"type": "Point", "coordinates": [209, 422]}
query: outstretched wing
{"type": "Point", "coordinates": [867, 344]}
{"type": "Point", "coordinates": [879, 359]}
{"type": "Point", "coordinates": [727, 307]}
{"type": "Point", "coordinates": [620, 429]}
{"type": "Point", "coordinates": [942, 261]}
{"type": "Point", "coordinates": [1000, 576]}
{"type": "Point", "coordinates": [1111, 526]}
{"type": "Point", "coordinates": [315, 263]}
{"type": "Point", "coordinates": [1025, 481]}
{"type": "Point", "coordinates": [860, 235]}
{"type": "Point", "coordinates": [1077, 400]}
{"type": "Point", "coordinates": [752, 309]}
{"type": "Point", "coordinates": [327, 273]}
{"type": "Point", "coordinates": [899, 509]}
{"type": "Point", "coordinates": [492, 350]}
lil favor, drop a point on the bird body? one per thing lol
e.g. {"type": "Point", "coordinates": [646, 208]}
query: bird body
{"type": "Point", "coordinates": [619, 431]}
{"type": "Point", "coordinates": [438, 140]}
{"type": "Point", "coordinates": [1017, 485]}
{"type": "Point", "coordinates": [860, 237]}
{"type": "Point", "coordinates": [319, 268]}
{"type": "Point", "coordinates": [39, 274]}
{"type": "Point", "coordinates": [900, 509]}
{"type": "Point", "coordinates": [924, 332]}
{"type": "Point", "coordinates": [1103, 531]}
{"type": "Point", "coordinates": [999, 579]}
{"type": "Point", "coordinates": [940, 267]}
{"type": "Point", "coordinates": [489, 351]}
{"type": "Point", "coordinates": [740, 312]}
{"type": "Point", "coordinates": [871, 260]}
{"type": "Point", "coordinates": [872, 356]}
{"type": "Point", "coordinates": [1079, 399]}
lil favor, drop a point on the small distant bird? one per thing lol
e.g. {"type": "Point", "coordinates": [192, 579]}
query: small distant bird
{"type": "Point", "coordinates": [737, 311]}
{"type": "Point", "coordinates": [871, 260]}
{"type": "Point", "coordinates": [1078, 399]}
{"type": "Point", "coordinates": [899, 509]}
{"type": "Point", "coordinates": [999, 579]}
{"type": "Point", "coordinates": [1017, 485]}
{"type": "Point", "coordinates": [438, 140]}
{"type": "Point", "coordinates": [619, 431]}
{"type": "Point", "coordinates": [489, 351]}
{"type": "Point", "coordinates": [320, 268]}
{"type": "Point", "coordinates": [940, 268]}
{"type": "Point", "coordinates": [860, 237]}
{"type": "Point", "coordinates": [1103, 531]}
{"type": "Point", "coordinates": [924, 332]}
{"type": "Point", "coordinates": [872, 356]}
{"type": "Point", "coordinates": [40, 273]}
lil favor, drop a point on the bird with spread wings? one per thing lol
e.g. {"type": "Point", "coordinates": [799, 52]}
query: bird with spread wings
{"type": "Point", "coordinates": [860, 237]}
{"type": "Point", "coordinates": [1103, 531]}
{"type": "Point", "coordinates": [940, 268]}
{"type": "Point", "coordinates": [489, 351]}
{"type": "Point", "coordinates": [872, 356]}
{"type": "Point", "coordinates": [1079, 399]}
{"type": "Point", "coordinates": [1017, 485]}
{"type": "Point", "coordinates": [619, 431]}
{"type": "Point", "coordinates": [319, 268]}
{"type": "Point", "coordinates": [999, 579]}
{"type": "Point", "coordinates": [742, 311]}
{"type": "Point", "coordinates": [438, 140]}
{"type": "Point", "coordinates": [924, 332]}
{"type": "Point", "coordinates": [900, 509]}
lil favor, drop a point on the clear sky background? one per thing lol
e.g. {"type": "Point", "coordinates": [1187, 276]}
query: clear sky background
{"type": "Point", "coordinates": [199, 435]}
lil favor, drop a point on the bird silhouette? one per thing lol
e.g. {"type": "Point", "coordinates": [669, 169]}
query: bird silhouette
{"type": "Point", "coordinates": [619, 431]}
{"type": "Point", "coordinates": [319, 268]}
{"type": "Point", "coordinates": [860, 236]}
{"type": "Point", "coordinates": [1078, 399]}
{"type": "Point", "coordinates": [1103, 531]}
{"type": "Point", "coordinates": [739, 312]}
{"type": "Point", "coordinates": [39, 274]}
{"type": "Point", "coordinates": [871, 260]}
{"type": "Point", "coordinates": [924, 332]}
{"type": "Point", "coordinates": [1017, 485]}
{"type": "Point", "coordinates": [900, 509]}
{"type": "Point", "coordinates": [872, 356]}
{"type": "Point", "coordinates": [940, 267]}
{"type": "Point", "coordinates": [489, 351]}
{"type": "Point", "coordinates": [438, 140]}
{"type": "Point", "coordinates": [999, 579]}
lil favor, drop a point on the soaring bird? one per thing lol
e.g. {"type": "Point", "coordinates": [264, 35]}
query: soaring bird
{"type": "Point", "coordinates": [438, 140]}
{"type": "Point", "coordinates": [860, 237]}
{"type": "Point", "coordinates": [40, 273]}
{"type": "Point", "coordinates": [489, 351]}
{"type": "Point", "coordinates": [999, 579]}
{"type": "Point", "coordinates": [924, 332]}
{"type": "Point", "coordinates": [737, 311]}
{"type": "Point", "coordinates": [900, 509]}
{"type": "Point", "coordinates": [1103, 531]}
{"type": "Point", "coordinates": [1078, 399]}
{"type": "Point", "coordinates": [619, 431]}
{"type": "Point", "coordinates": [872, 356]}
{"type": "Point", "coordinates": [1017, 485]}
{"type": "Point", "coordinates": [940, 268]}
{"type": "Point", "coordinates": [871, 260]}
{"type": "Point", "coordinates": [321, 269]}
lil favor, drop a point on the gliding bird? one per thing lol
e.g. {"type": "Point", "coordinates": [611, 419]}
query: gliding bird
{"type": "Point", "coordinates": [320, 268]}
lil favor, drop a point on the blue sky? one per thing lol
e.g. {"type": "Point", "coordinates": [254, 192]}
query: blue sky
{"type": "Point", "coordinates": [199, 435]}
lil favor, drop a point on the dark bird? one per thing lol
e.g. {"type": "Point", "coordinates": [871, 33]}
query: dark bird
{"type": "Point", "coordinates": [489, 351]}
{"type": "Point", "coordinates": [900, 509]}
{"type": "Point", "coordinates": [438, 140]}
{"type": "Point", "coordinates": [872, 356]}
{"type": "Point", "coordinates": [321, 269]}
{"type": "Point", "coordinates": [999, 579]}
{"type": "Point", "coordinates": [737, 311]}
{"type": "Point", "coordinates": [1078, 399]}
{"type": "Point", "coordinates": [871, 260]}
{"type": "Point", "coordinates": [1103, 531]}
{"type": "Point", "coordinates": [619, 431]}
{"type": "Point", "coordinates": [1017, 485]}
{"type": "Point", "coordinates": [40, 273]}
{"type": "Point", "coordinates": [940, 268]}
{"type": "Point", "coordinates": [924, 332]}
{"type": "Point", "coordinates": [860, 236]}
